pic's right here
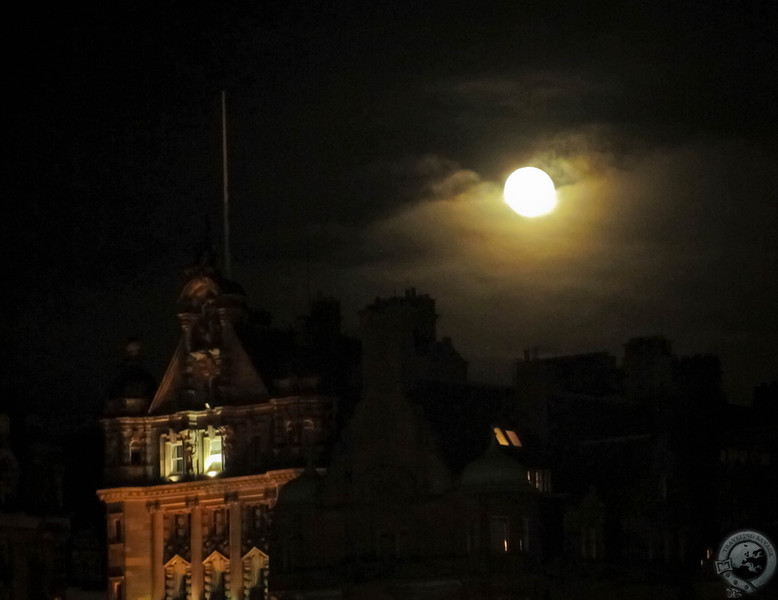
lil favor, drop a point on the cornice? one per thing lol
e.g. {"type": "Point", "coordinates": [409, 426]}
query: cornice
{"type": "Point", "coordinates": [269, 406]}
{"type": "Point", "coordinates": [188, 488]}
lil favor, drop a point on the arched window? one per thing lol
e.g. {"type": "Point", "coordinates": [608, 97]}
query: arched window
{"type": "Point", "coordinates": [135, 453]}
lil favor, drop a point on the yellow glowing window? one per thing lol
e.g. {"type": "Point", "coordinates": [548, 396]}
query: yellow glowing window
{"type": "Point", "coordinates": [500, 437]}
{"type": "Point", "coordinates": [213, 458]}
{"type": "Point", "coordinates": [507, 437]}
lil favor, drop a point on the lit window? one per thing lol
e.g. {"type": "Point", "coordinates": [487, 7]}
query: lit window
{"type": "Point", "coordinates": [177, 458]}
{"type": "Point", "coordinates": [500, 437]}
{"type": "Point", "coordinates": [513, 438]}
{"type": "Point", "coordinates": [506, 437]}
{"type": "Point", "coordinates": [213, 455]}
{"type": "Point", "coordinates": [172, 456]}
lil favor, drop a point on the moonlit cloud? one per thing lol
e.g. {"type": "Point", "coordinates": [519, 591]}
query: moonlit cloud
{"type": "Point", "coordinates": [616, 259]}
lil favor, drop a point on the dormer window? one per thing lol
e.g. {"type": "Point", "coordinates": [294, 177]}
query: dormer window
{"type": "Point", "coordinates": [506, 437]}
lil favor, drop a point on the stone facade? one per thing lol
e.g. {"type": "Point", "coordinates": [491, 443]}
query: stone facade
{"type": "Point", "coordinates": [193, 466]}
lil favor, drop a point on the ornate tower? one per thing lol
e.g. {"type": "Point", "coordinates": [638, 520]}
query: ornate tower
{"type": "Point", "coordinates": [194, 467]}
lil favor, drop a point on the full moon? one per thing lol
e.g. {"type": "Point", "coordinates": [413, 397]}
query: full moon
{"type": "Point", "coordinates": [530, 192]}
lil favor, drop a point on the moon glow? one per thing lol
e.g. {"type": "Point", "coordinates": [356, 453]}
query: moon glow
{"type": "Point", "coordinates": [530, 192]}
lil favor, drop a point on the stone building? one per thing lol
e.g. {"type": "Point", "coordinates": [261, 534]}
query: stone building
{"type": "Point", "coordinates": [193, 466]}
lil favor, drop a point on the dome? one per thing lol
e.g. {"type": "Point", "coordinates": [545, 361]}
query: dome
{"type": "Point", "coordinates": [303, 490]}
{"type": "Point", "coordinates": [493, 468]}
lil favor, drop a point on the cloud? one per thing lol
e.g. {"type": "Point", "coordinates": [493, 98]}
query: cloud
{"type": "Point", "coordinates": [647, 246]}
{"type": "Point", "coordinates": [531, 93]}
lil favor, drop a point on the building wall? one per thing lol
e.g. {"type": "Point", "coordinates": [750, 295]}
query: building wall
{"type": "Point", "coordinates": [193, 529]}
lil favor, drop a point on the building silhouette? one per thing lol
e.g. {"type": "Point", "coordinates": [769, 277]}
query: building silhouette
{"type": "Point", "coordinates": [394, 515]}
{"type": "Point", "coordinates": [34, 528]}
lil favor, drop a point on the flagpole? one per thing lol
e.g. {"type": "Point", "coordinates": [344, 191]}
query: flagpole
{"type": "Point", "coordinates": [226, 202]}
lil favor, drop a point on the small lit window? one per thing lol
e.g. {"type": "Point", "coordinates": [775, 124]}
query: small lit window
{"type": "Point", "coordinates": [213, 455]}
{"type": "Point", "coordinates": [501, 439]}
{"type": "Point", "coordinates": [506, 437]}
{"type": "Point", "coordinates": [177, 458]}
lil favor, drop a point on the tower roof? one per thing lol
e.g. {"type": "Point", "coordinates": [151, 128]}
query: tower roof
{"type": "Point", "coordinates": [210, 364]}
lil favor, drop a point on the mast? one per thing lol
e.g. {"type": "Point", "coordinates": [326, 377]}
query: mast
{"type": "Point", "coordinates": [225, 192]}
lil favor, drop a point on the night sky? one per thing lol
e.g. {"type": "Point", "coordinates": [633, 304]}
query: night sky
{"type": "Point", "coordinates": [368, 144]}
